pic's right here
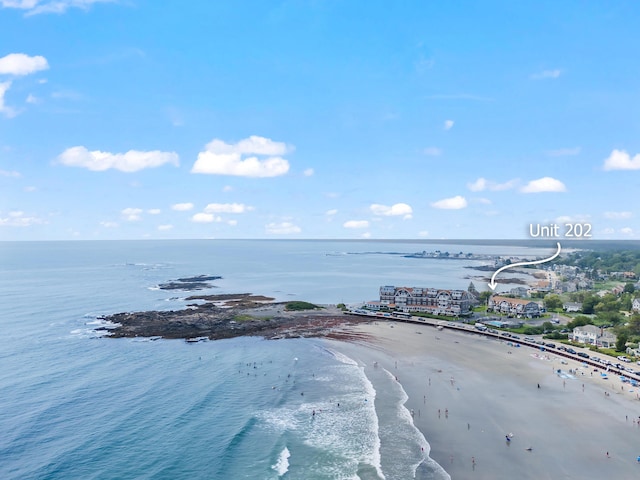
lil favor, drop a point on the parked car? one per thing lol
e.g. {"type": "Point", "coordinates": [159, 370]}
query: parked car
{"type": "Point", "coordinates": [551, 345]}
{"type": "Point", "coordinates": [583, 355]}
{"type": "Point", "coordinates": [571, 350]}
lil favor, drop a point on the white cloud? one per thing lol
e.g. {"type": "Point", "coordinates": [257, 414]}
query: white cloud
{"type": "Point", "coordinates": [627, 231]}
{"type": "Point", "coordinates": [182, 207]}
{"type": "Point", "coordinates": [308, 172]}
{"type": "Point", "coordinates": [154, 211]}
{"type": "Point", "coordinates": [608, 231]}
{"type": "Point", "coordinates": [580, 218]}
{"type": "Point", "coordinates": [233, 223]}
{"type": "Point", "coordinates": [131, 214]}
{"type": "Point", "coordinates": [35, 7]}
{"type": "Point", "coordinates": [21, 64]}
{"type": "Point", "coordinates": [617, 215]}
{"type": "Point", "coordinates": [67, 95]}
{"type": "Point", "coordinates": [483, 184]}
{"type": "Point", "coordinates": [432, 151]}
{"type": "Point", "coordinates": [453, 203]}
{"type": "Point", "coordinates": [366, 235]}
{"type": "Point", "coordinates": [478, 186]}
{"type": "Point", "coordinates": [331, 212]}
{"type": "Point", "coordinates": [544, 184]}
{"type": "Point", "coordinates": [131, 161]}
{"type": "Point", "coordinates": [564, 152]}
{"type": "Point", "coordinates": [621, 160]}
{"type": "Point", "coordinates": [7, 111]}
{"type": "Point", "coordinates": [227, 188]}
{"type": "Point", "coordinates": [165, 227]}
{"type": "Point", "coordinates": [547, 74]}
{"type": "Point", "coordinates": [399, 209]}
{"type": "Point", "coordinates": [423, 233]}
{"type": "Point", "coordinates": [356, 224]}
{"type": "Point", "coordinates": [32, 99]}
{"type": "Point", "coordinates": [17, 218]}
{"type": "Point", "coordinates": [227, 208]}
{"type": "Point", "coordinates": [448, 124]}
{"type": "Point", "coordinates": [205, 218]}
{"type": "Point", "coordinates": [10, 173]}
{"type": "Point", "coordinates": [221, 158]}
{"type": "Point", "coordinates": [30, 188]}
{"type": "Point", "coordinates": [283, 228]}
{"type": "Point", "coordinates": [483, 201]}
{"type": "Point", "coordinates": [107, 224]}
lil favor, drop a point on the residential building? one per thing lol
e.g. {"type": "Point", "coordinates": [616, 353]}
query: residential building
{"type": "Point", "coordinates": [617, 290]}
{"type": "Point", "coordinates": [431, 300]}
{"type": "Point", "coordinates": [635, 306]}
{"type": "Point", "coordinates": [519, 292]}
{"type": "Point", "coordinates": [513, 306]}
{"type": "Point", "coordinates": [592, 335]}
{"type": "Point", "coordinates": [572, 307]}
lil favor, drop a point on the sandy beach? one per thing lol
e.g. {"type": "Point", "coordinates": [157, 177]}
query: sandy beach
{"type": "Point", "coordinates": [467, 393]}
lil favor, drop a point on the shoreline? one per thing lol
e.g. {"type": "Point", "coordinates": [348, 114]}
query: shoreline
{"type": "Point", "coordinates": [229, 316]}
{"type": "Point", "coordinates": [484, 393]}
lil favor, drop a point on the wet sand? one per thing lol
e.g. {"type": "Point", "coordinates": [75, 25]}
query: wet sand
{"type": "Point", "coordinates": [485, 389]}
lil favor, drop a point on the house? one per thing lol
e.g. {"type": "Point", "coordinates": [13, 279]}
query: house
{"type": "Point", "coordinates": [513, 306]}
{"type": "Point", "coordinates": [592, 335]}
{"type": "Point", "coordinates": [635, 306]}
{"type": "Point", "coordinates": [519, 292]}
{"type": "Point", "coordinates": [430, 300]}
{"type": "Point", "coordinates": [376, 305]}
{"type": "Point", "coordinates": [572, 307]}
{"type": "Point", "coordinates": [617, 290]}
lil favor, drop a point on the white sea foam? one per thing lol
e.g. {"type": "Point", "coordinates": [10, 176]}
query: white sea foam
{"type": "Point", "coordinates": [282, 465]}
{"type": "Point", "coordinates": [404, 415]}
{"type": "Point", "coordinates": [342, 358]}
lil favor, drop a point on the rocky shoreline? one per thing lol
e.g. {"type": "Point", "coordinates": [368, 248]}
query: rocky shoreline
{"type": "Point", "coordinates": [231, 315]}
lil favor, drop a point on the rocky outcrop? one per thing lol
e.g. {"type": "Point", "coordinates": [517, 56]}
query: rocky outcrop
{"type": "Point", "coordinates": [226, 316]}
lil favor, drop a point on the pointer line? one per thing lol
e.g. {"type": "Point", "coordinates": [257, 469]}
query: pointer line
{"type": "Point", "coordinates": [493, 285]}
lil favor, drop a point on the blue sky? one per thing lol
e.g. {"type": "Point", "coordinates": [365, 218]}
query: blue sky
{"type": "Point", "coordinates": [140, 119]}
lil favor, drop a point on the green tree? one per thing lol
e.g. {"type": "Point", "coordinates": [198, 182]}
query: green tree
{"type": "Point", "coordinates": [484, 296]}
{"type": "Point", "coordinates": [634, 325]}
{"type": "Point", "coordinates": [579, 321]}
{"type": "Point", "coordinates": [589, 303]}
{"type": "Point", "coordinates": [629, 288]}
{"type": "Point", "coordinates": [621, 342]}
{"type": "Point", "coordinates": [553, 302]}
{"type": "Point", "coordinates": [547, 327]}
{"type": "Point", "coordinates": [608, 303]}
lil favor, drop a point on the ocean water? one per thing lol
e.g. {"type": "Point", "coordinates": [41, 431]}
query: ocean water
{"type": "Point", "coordinates": [74, 405]}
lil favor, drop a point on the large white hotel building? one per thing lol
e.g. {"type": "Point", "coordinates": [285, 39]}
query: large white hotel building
{"type": "Point", "coordinates": [430, 300]}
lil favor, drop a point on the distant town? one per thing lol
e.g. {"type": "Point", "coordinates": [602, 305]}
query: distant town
{"type": "Point", "coordinates": [586, 298]}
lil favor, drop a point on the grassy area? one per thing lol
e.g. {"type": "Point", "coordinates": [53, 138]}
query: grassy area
{"type": "Point", "coordinates": [246, 318]}
{"type": "Point", "coordinates": [608, 285]}
{"type": "Point", "coordinates": [300, 306]}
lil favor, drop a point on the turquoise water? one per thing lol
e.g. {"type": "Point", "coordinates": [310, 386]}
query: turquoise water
{"type": "Point", "coordinates": [78, 406]}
